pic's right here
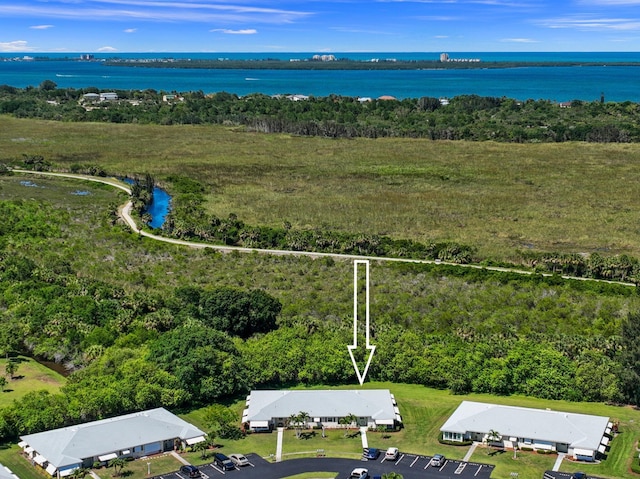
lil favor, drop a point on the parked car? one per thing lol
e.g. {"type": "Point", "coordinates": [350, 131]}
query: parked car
{"type": "Point", "coordinates": [391, 454]}
{"type": "Point", "coordinates": [190, 471]}
{"type": "Point", "coordinates": [579, 475]}
{"type": "Point", "coordinates": [370, 453]}
{"type": "Point", "coordinates": [239, 460]}
{"type": "Point", "coordinates": [223, 462]}
{"type": "Point", "coordinates": [359, 473]}
{"type": "Point", "coordinates": [438, 460]}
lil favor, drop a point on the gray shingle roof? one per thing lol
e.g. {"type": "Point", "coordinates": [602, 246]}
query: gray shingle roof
{"type": "Point", "coordinates": [577, 430]}
{"type": "Point", "coordinates": [374, 403]}
{"type": "Point", "coordinates": [69, 445]}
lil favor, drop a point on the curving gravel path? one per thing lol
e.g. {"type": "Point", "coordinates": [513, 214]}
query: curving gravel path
{"type": "Point", "coordinates": [125, 213]}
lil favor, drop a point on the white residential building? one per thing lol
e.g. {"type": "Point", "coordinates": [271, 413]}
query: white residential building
{"type": "Point", "coordinates": [267, 410]}
{"type": "Point", "coordinates": [581, 436]}
{"type": "Point", "coordinates": [61, 451]}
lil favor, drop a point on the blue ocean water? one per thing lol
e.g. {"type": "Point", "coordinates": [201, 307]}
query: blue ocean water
{"type": "Point", "coordinates": [588, 83]}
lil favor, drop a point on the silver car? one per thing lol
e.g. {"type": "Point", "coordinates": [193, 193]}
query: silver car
{"type": "Point", "coordinates": [239, 460]}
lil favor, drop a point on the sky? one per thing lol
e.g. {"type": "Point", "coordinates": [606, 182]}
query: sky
{"type": "Point", "coordinates": [104, 26]}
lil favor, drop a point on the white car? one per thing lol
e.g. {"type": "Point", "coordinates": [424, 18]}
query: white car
{"type": "Point", "coordinates": [359, 473]}
{"type": "Point", "coordinates": [391, 454]}
{"type": "Point", "coordinates": [239, 460]}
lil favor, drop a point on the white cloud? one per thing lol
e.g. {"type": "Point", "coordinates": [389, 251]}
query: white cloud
{"type": "Point", "coordinates": [156, 10]}
{"type": "Point", "coordinates": [130, 30]}
{"type": "Point", "coordinates": [441, 36]}
{"type": "Point", "coordinates": [358, 30]}
{"type": "Point", "coordinates": [107, 49]}
{"type": "Point", "coordinates": [496, 3]}
{"type": "Point", "coordinates": [15, 46]}
{"type": "Point", "coordinates": [609, 3]}
{"type": "Point", "coordinates": [248, 31]}
{"type": "Point", "coordinates": [592, 23]}
{"type": "Point", "coordinates": [41, 27]}
{"type": "Point", "coordinates": [519, 40]}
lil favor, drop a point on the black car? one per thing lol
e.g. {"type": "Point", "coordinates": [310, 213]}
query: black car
{"type": "Point", "coordinates": [223, 462]}
{"type": "Point", "coordinates": [190, 471]}
{"type": "Point", "coordinates": [579, 475]}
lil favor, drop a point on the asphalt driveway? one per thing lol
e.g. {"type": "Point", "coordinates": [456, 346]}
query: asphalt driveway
{"type": "Point", "coordinates": [410, 466]}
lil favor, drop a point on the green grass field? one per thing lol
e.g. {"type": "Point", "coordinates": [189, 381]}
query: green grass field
{"type": "Point", "coordinates": [569, 197]}
{"type": "Point", "coordinates": [30, 376]}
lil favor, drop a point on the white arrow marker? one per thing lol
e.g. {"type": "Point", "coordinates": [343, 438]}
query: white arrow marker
{"type": "Point", "coordinates": [354, 346]}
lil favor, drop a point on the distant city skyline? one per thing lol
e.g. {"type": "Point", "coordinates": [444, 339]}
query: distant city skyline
{"type": "Point", "coordinates": [105, 26]}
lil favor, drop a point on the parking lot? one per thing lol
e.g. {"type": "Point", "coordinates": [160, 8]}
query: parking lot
{"type": "Point", "coordinates": [411, 466]}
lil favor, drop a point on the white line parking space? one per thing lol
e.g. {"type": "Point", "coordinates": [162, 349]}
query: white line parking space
{"type": "Point", "coordinates": [217, 469]}
{"type": "Point", "coordinates": [478, 471]}
{"type": "Point", "coordinates": [414, 461]}
{"type": "Point", "coordinates": [399, 459]}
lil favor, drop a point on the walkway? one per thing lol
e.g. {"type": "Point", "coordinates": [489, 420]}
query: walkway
{"type": "Point", "coordinates": [470, 452]}
{"type": "Point", "coordinates": [179, 458]}
{"type": "Point", "coordinates": [559, 460]}
{"type": "Point", "coordinates": [279, 444]}
{"type": "Point", "coordinates": [363, 435]}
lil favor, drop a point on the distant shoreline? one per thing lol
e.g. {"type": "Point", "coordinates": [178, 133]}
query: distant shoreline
{"type": "Point", "coordinates": [345, 64]}
{"type": "Point", "coordinates": [326, 65]}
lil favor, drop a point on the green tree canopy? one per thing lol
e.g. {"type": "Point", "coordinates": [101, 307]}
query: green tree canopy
{"type": "Point", "coordinates": [240, 313]}
{"type": "Point", "coordinates": [205, 361]}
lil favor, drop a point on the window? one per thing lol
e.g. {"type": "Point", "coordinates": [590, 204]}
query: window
{"type": "Point", "coordinates": [452, 436]}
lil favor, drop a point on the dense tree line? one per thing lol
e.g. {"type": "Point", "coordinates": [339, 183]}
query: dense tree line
{"type": "Point", "coordinates": [463, 330]}
{"type": "Point", "coordinates": [465, 117]}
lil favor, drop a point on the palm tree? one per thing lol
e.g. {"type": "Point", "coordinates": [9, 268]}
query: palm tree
{"type": "Point", "coordinates": [201, 447]}
{"type": "Point", "coordinates": [117, 463]}
{"type": "Point", "coordinates": [347, 421]}
{"type": "Point", "coordinates": [298, 421]}
{"type": "Point", "coordinates": [79, 473]}
{"type": "Point", "coordinates": [493, 436]}
{"type": "Point", "coordinates": [303, 417]}
{"type": "Point", "coordinates": [392, 475]}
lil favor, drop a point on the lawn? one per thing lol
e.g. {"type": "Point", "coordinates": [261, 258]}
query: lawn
{"type": "Point", "coordinates": [156, 465]}
{"type": "Point", "coordinates": [499, 197]}
{"type": "Point", "coordinates": [425, 410]}
{"type": "Point", "coordinates": [30, 376]}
